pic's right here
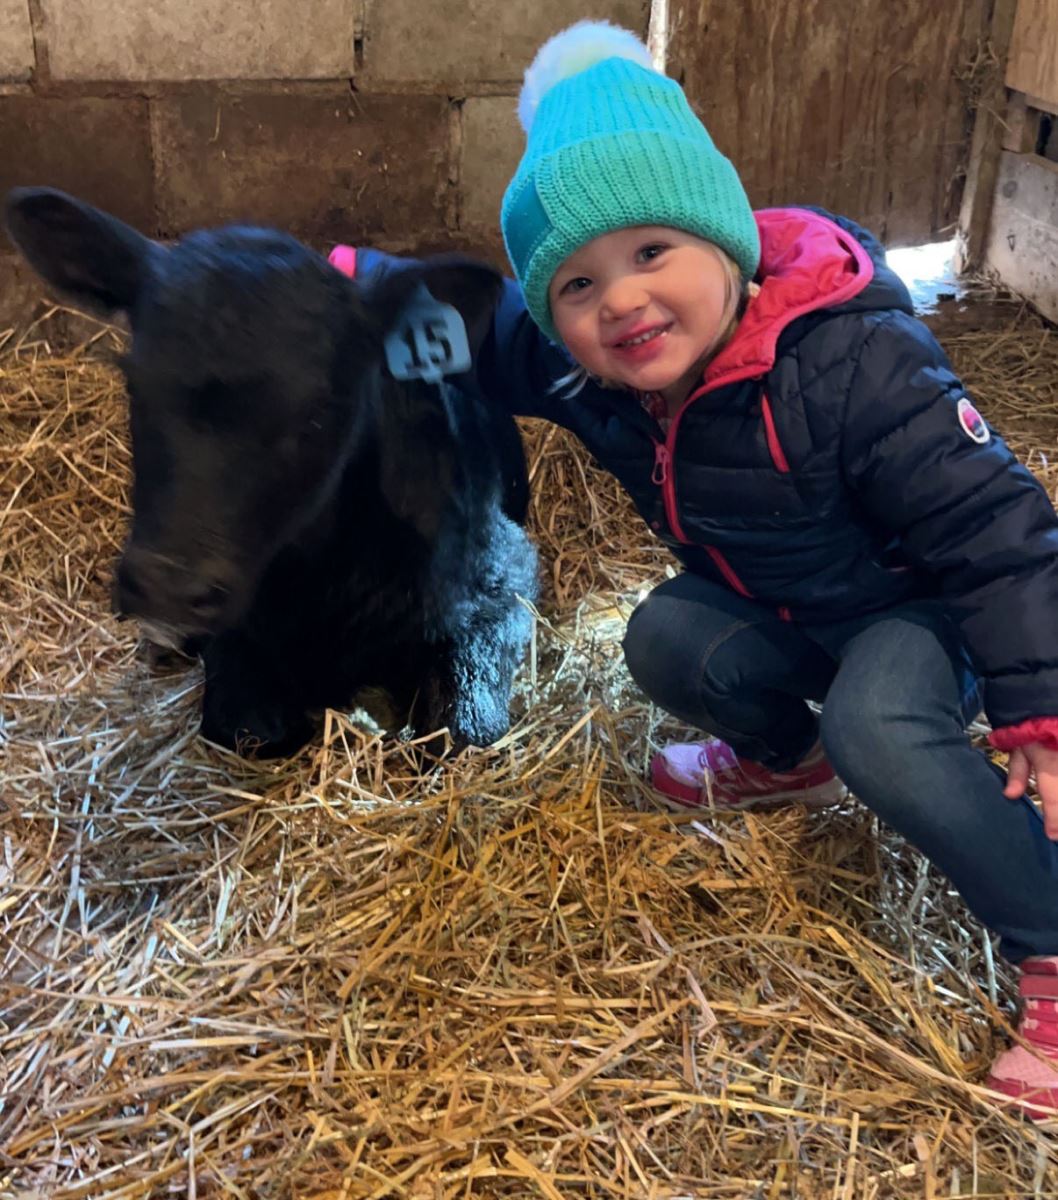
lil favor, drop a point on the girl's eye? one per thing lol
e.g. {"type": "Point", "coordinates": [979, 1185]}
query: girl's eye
{"type": "Point", "coordinates": [575, 285]}
{"type": "Point", "coordinates": [651, 251]}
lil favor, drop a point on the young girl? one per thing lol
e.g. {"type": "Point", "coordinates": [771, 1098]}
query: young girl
{"type": "Point", "coordinates": [852, 531]}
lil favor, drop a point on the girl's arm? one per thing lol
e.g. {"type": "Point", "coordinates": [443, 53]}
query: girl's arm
{"type": "Point", "coordinates": [926, 467]}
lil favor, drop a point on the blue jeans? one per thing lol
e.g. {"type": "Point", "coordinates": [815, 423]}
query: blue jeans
{"type": "Point", "coordinates": [899, 690]}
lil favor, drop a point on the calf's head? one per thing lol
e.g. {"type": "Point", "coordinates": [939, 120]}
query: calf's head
{"type": "Point", "coordinates": [252, 373]}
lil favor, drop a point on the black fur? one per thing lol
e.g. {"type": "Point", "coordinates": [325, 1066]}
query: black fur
{"type": "Point", "coordinates": [307, 523]}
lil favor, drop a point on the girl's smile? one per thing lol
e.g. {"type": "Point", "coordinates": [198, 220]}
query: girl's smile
{"type": "Point", "coordinates": [642, 344]}
{"type": "Point", "coordinates": [645, 307]}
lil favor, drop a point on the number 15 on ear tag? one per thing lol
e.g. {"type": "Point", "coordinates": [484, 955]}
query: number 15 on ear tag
{"type": "Point", "coordinates": [429, 342]}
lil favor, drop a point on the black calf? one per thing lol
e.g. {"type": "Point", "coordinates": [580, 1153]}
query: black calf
{"type": "Point", "coordinates": [307, 522]}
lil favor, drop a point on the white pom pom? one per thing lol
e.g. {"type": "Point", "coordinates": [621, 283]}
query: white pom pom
{"type": "Point", "coordinates": [574, 50]}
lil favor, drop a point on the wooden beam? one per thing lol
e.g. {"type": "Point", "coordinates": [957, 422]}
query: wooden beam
{"type": "Point", "coordinates": [985, 146]}
{"type": "Point", "coordinates": [1022, 129]}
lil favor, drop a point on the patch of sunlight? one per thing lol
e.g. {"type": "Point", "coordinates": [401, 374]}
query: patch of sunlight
{"type": "Point", "coordinates": [928, 271]}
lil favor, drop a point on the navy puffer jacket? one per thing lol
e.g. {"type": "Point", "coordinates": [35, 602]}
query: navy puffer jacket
{"type": "Point", "coordinates": [830, 464]}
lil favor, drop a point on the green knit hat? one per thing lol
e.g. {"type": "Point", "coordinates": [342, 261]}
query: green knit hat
{"type": "Point", "coordinates": [610, 143]}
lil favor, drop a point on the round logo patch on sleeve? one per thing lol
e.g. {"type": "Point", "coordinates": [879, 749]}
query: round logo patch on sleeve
{"type": "Point", "coordinates": [973, 424]}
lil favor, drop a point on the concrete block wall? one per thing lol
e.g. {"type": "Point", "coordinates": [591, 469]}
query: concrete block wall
{"type": "Point", "coordinates": [390, 122]}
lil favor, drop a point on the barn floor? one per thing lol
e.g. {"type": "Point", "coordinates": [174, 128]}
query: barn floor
{"type": "Point", "coordinates": [338, 977]}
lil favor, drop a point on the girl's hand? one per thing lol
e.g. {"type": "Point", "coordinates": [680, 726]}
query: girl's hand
{"type": "Point", "coordinates": [1037, 760]}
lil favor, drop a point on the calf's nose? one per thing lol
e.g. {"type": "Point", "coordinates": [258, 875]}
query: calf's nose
{"type": "Point", "coordinates": [155, 586]}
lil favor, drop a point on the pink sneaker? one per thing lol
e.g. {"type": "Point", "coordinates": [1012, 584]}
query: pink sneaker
{"type": "Point", "coordinates": [709, 775]}
{"type": "Point", "coordinates": [1029, 1073]}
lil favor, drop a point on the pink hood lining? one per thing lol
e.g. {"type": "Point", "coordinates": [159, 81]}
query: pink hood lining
{"type": "Point", "coordinates": [807, 262]}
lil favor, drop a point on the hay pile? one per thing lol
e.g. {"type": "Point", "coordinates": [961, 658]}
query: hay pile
{"type": "Point", "coordinates": [335, 978]}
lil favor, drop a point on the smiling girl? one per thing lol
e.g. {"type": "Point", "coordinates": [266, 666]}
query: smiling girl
{"type": "Point", "coordinates": [852, 531]}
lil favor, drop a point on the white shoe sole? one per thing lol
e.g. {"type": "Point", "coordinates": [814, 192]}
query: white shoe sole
{"type": "Point", "coordinates": [823, 796]}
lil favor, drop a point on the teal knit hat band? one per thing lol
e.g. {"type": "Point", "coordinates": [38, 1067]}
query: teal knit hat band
{"type": "Point", "coordinates": [613, 146]}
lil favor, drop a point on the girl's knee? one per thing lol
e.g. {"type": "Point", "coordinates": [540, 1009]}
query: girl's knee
{"type": "Point", "coordinates": [893, 756]}
{"type": "Point", "coordinates": [670, 649]}
{"type": "Point", "coordinates": [651, 639]}
{"type": "Point", "coordinates": [848, 742]}
{"type": "Point", "coordinates": [867, 733]}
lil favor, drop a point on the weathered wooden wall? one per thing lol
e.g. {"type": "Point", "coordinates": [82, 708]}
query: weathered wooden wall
{"type": "Point", "coordinates": [1021, 246]}
{"type": "Point", "coordinates": [389, 122]}
{"type": "Point", "coordinates": [856, 105]}
{"type": "Point", "coordinates": [393, 121]}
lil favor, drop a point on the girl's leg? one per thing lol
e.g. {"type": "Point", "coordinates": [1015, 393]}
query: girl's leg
{"type": "Point", "coordinates": [894, 726]}
{"type": "Point", "coordinates": [729, 666]}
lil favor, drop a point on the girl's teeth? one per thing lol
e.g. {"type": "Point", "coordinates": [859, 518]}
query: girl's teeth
{"type": "Point", "coordinates": [643, 337]}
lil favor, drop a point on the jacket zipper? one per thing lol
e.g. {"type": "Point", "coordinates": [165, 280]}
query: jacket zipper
{"type": "Point", "coordinates": [664, 476]}
{"type": "Point", "coordinates": [778, 457]}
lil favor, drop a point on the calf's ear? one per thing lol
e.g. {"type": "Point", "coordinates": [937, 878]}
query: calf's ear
{"type": "Point", "coordinates": [471, 287]}
{"type": "Point", "coordinates": [85, 254]}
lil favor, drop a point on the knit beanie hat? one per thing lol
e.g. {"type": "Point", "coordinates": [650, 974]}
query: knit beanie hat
{"type": "Point", "coordinates": [611, 143]}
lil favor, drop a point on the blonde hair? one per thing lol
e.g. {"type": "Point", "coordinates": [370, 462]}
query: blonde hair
{"type": "Point", "coordinates": [736, 296]}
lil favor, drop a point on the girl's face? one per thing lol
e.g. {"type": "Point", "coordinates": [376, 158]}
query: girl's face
{"type": "Point", "coordinates": [644, 307]}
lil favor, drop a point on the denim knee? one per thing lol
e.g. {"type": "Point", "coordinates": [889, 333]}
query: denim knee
{"type": "Point", "coordinates": [733, 674]}
{"type": "Point", "coordinates": [856, 739]}
{"type": "Point", "coordinates": [884, 746]}
{"type": "Point", "coordinates": [654, 646]}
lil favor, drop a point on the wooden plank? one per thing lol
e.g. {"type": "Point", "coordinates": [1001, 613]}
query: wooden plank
{"type": "Point", "coordinates": [856, 106]}
{"type": "Point", "coordinates": [1022, 246]}
{"type": "Point", "coordinates": [1033, 63]}
{"type": "Point", "coordinates": [991, 133]}
{"type": "Point", "coordinates": [1021, 129]}
{"type": "Point", "coordinates": [1038, 102]}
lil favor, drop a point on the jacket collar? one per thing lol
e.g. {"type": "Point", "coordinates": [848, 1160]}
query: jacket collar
{"type": "Point", "coordinates": [807, 262]}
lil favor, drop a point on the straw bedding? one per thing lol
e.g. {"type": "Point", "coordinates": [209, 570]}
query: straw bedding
{"type": "Point", "coordinates": [505, 975]}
